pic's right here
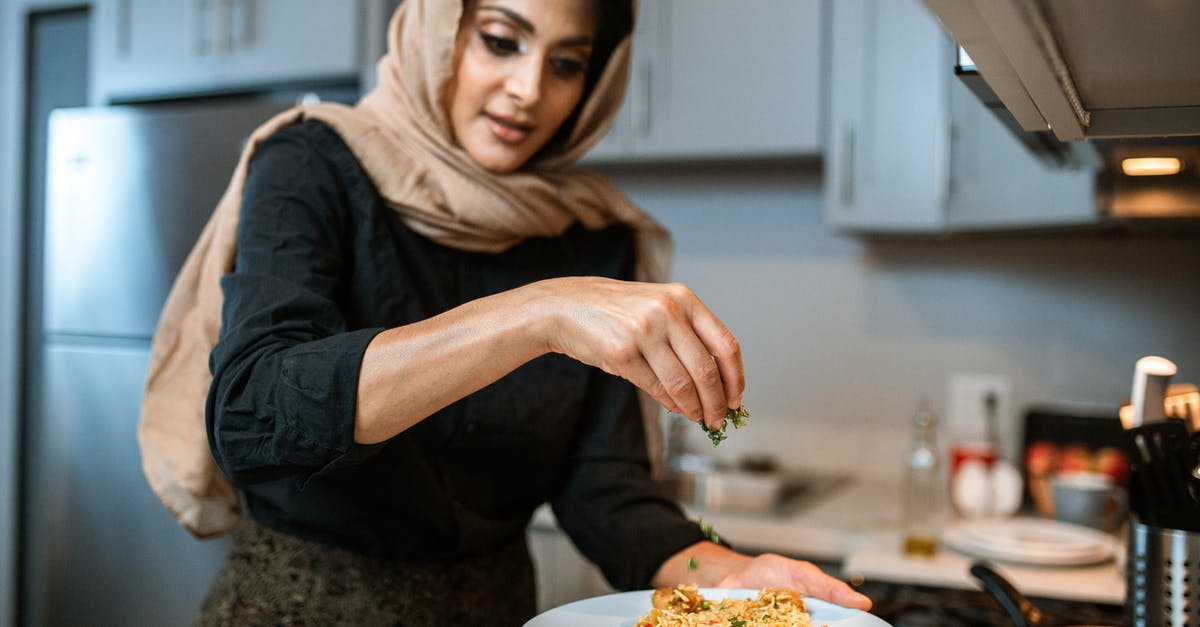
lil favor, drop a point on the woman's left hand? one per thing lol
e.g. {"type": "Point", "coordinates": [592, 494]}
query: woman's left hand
{"type": "Point", "coordinates": [707, 564]}
{"type": "Point", "coordinates": [775, 571]}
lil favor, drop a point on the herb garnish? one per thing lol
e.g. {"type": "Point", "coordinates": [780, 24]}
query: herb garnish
{"type": "Point", "coordinates": [692, 564]}
{"type": "Point", "coordinates": [733, 622]}
{"type": "Point", "coordinates": [737, 416]}
{"type": "Point", "coordinates": [708, 532]}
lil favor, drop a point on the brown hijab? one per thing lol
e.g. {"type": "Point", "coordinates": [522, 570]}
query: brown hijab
{"type": "Point", "coordinates": [401, 135]}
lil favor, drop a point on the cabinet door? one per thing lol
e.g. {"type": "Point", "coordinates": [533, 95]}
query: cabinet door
{"type": "Point", "coordinates": [617, 145]}
{"type": "Point", "coordinates": [163, 48]}
{"type": "Point", "coordinates": [997, 183]}
{"type": "Point", "coordinates": [267, 41]}
{"type": "Point", "coordinates": [887, 162]}
{"type": "Point", "coordinates": [715, 79]}
{"type": "Point", "coordinates": [730, 79]}
{"type": "Point", "coordinates": [913, 150]}
{"type": "Point", "coordinates": [151, 47]}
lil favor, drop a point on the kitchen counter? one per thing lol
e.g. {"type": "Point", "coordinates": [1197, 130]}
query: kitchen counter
{"type": "Point", "coordinates": [856, 526]}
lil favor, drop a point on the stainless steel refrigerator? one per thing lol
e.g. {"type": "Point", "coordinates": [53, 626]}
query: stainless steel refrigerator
{"type": "Point", "coordinates": [128, 189]}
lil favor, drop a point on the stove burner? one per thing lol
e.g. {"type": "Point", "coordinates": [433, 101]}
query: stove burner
{"type": "Point", "coordinates": [905, 605]}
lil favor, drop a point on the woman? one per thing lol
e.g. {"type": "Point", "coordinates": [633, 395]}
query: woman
{"type": "Point", "coordinates": [430, 328]}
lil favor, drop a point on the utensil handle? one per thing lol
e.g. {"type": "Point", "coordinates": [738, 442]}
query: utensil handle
{"type": "Point", "coordinates": [1151, 375]}
{"type": "Point", "coordinates": [1021, 610]}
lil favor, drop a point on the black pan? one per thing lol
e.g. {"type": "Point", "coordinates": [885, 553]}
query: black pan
{"type": "Point", "coordinates": [1020, 609]}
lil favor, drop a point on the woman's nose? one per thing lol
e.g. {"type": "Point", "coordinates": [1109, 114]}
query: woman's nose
{"type": "Point", "coordinates": [524, 83]}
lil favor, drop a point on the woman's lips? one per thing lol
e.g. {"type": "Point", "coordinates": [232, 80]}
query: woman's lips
{"type": "Point", "coordinates": [506, 130]}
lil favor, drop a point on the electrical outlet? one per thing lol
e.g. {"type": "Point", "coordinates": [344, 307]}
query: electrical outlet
{"type": "Point", "coordinates": [967, 406]}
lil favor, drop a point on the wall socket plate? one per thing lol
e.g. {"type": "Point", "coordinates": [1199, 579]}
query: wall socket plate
{"type": "Point", "coordinates": [966, 406]}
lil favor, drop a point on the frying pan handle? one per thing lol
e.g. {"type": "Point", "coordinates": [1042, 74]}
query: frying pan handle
{"type": "Point", "coordinates": [1021, 610]}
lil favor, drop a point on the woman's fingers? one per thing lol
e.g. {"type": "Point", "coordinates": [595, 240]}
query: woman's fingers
{"type": "Point", "coordinates": [725, 349]}
{"type": "Point", "coordinates": [822, 586]}
{"type": "Point", "coordinates": [659, 337]}
{"type": "Point", "coordinates": [638, 371]}
{"type": "Point", "coordinates": [702, 372]}
{"type": "Point", "coordinates": [675, 378]}
{"type": "Point", "coordinates": [775, 571]}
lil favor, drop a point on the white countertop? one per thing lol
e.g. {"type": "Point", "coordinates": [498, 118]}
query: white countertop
{"type": "Point", "coordinates": [856, 525]}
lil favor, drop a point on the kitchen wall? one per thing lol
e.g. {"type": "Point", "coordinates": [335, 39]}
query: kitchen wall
{"type": "Point", "coordinates": [843, 336]}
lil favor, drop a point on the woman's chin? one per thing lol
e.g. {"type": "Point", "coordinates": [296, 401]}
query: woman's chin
{"type": "Point", "coordinates": [498, 161]}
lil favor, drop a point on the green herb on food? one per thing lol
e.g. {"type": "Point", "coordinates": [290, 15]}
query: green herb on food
{"type": "Point", "coordinates": [739, 418]}
{"type": "Point", "coordinates": [733, 622]}
{"type": "Point", "coordinates": [708, 532]}
{"type": "Point", "coordinates": [692, 565]}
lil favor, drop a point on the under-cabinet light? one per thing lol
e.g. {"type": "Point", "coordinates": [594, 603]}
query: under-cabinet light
{"type": "Point", "coordinates": [1151, 166]}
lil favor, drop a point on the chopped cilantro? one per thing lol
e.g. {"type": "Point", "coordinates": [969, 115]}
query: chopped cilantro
{"type": "Point", "coordinates": [737, 416]}
{"type": "Point", "coordinates": [733, 622]}
{"type": "Point", "coordinates": [692, 565]}
{"type": "Point", "coordinates": [708, 532]}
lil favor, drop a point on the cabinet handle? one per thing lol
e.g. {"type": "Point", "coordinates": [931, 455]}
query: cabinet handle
{"type": "Point", "coordinates": [201, 13]}
{"type": "Point", "coordinates": [945, 183]}
{"type": "Point", "coordinates": [124, 27]}
{"type": "Point", "coordinates": [243, 22]}
{"type": "Point", "coordinates": [846, 189]}
{"type": "Point", "coordinates": [224, 37]}
{"type": "Point", "coordinates": [641, 112]}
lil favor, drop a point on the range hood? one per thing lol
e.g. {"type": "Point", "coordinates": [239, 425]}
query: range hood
{"type": "Point", "coordinates": [1116, 75]}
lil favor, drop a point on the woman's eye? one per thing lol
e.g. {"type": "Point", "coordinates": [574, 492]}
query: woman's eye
{"type": "Point", "coordinates": [500, 46]}
{"type": "Point", "coordinates": [567, 68]}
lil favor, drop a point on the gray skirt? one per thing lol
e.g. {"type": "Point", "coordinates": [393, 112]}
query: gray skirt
{"type": "Point", "coordinates": [271, 578]}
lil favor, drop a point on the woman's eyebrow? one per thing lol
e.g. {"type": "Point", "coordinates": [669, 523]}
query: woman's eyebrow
{"type": "Point", "coordinates": [527, 26]}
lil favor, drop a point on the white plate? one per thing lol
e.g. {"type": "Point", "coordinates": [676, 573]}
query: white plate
{"type": "Point", "coordinates": [624, 608]}
{"type": "Point", "coordinates": [1030, 541]}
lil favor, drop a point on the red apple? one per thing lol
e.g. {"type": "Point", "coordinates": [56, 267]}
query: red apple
{"type": "Point", "coordinates": [1075, 457]}
{"type": "Point", "coordinates": [1113, 462]}
{"type": "Point", "coordinates": [1040, 457]}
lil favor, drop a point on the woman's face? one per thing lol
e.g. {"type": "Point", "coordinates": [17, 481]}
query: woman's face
{"type": "Point", "coordinates": [519, 73]}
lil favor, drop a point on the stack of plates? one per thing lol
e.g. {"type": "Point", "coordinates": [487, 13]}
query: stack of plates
{"type": "Point", "coordinates": [1030, 541]}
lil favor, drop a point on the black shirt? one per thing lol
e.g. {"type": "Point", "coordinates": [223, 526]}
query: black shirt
{"type": "Point", "coordinates": [322, 267]}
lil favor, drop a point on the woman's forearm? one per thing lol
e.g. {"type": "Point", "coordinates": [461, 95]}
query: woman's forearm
{"type": "Point", "coordinates": [659, 337]}
{"type": "Point", "coordinates": [410, 372]}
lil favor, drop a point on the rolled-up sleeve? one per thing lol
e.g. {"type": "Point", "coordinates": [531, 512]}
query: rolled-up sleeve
{"type": "Point", "coordinates": [616, 515]}
{"type": "Point", "coordinates": [286, 365]}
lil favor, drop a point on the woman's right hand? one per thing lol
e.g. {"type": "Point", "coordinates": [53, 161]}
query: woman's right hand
{"type": "Point", "coordinates": [660, 337]}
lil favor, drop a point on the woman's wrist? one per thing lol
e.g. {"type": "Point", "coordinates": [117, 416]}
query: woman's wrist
{"type": "Point", "coordinates": [543, 309]}
{"type": "Point", "coordinates": [703, 564]}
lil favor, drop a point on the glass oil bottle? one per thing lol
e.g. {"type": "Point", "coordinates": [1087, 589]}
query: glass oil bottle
{"type": "Point", "coordinates": [921, 492]}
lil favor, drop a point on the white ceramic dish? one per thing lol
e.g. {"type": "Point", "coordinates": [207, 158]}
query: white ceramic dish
{"type": "Point", "coordinates": [624, 608]}
{"type": "Point", "coordinates": [1027, 540]}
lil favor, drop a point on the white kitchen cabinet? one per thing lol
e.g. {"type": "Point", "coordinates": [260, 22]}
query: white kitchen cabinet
{"type": "Point", "coordinates": [995, 183]}
{"type": "Point", "coordinates": [145, 49]}
{"type": "Point", "coordinates": [718, 79]}
{"type": "Point", "coordinates": [887, 160]}
{"type": "Point", "coordinates": [912, 150]}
